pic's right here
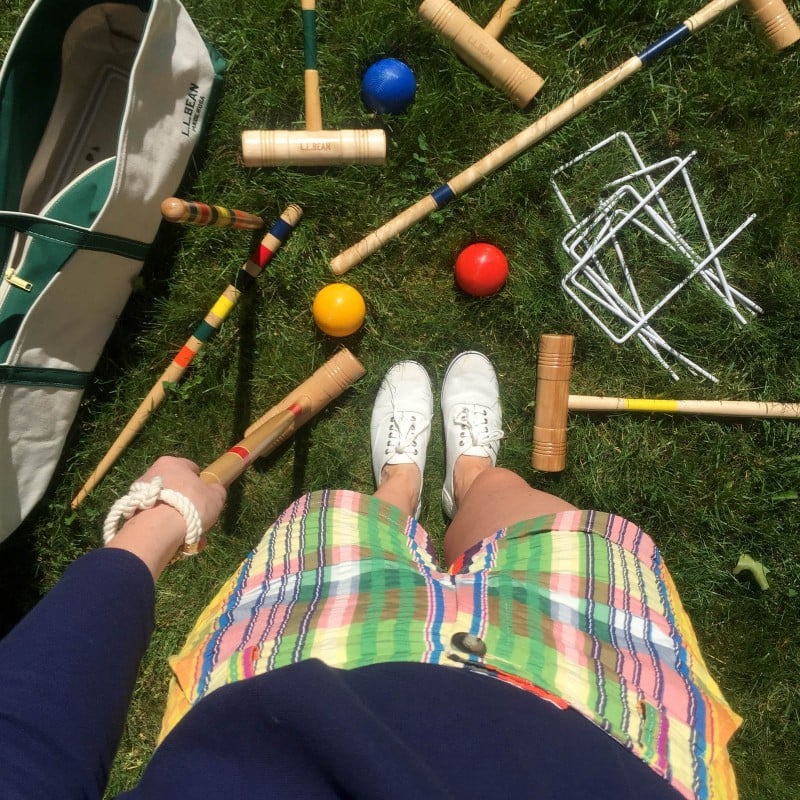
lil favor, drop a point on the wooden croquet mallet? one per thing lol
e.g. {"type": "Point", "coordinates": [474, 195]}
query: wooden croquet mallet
{"type": "Point", "coordinates": [314, 146]}
{"type": "Point", "coordinates": [211, 323]}
{"type": "Point", "coordinates": [553, 402]}
{"type": "Point", "coordinates": [772, 17]}
{"type": "Point", "coordinates": [478, 47]}
{"type": "Point", "coordinates": [173, 209]}
{"type": "Point", "coordinates": [336, 375]}
{"type": "Point", "coordinates": [326, 384]}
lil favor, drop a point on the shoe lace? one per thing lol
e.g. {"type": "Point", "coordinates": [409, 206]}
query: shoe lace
{"type": "Point", "coordinates": [404, 429]}
{"type": "Point", "coordinates": [473, 422]}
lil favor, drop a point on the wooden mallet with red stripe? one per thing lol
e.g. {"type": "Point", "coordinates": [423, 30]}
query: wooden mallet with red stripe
{"type": "Point", "coordinates": [211, 323]}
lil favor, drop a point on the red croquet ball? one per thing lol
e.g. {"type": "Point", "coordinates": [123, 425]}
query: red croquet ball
{"type": "Point", "coordinates": [481, 269]}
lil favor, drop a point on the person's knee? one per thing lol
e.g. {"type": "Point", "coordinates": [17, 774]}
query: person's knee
{"type": "Point", "coordinates": [496, 479]}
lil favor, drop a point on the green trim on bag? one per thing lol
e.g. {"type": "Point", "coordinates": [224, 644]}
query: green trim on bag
{"type": "Point", "coordinates": [74, 236]}
{"type": "Point", "coordinates": [55, 239]}
{"type": "Point", "coordinates": [31, 75]}
{"type": "Point", "coordinates": [44, 377]}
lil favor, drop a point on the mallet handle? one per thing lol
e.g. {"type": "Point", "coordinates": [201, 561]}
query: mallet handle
{"type": "Point", "coordinates": [554, 366]}
{"type": "Point", "coordinates": [720, 408]}
{"type": "Point", "coordinates": [262, 441]}
{"type": "Point", "coordinates": [497, 24]}
{"type": "Point", "coordinates": [526, 138]}
{"type": "Point", "coordinates": [210, 324]}
{"type": "Point", "coordinates": [173, 209]}
{"type": "Point", "coordinates": [313, 103]}
{"type": "Point", "coordinates": [336, 375]}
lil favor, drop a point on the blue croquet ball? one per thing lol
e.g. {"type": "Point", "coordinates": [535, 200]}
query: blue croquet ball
{"type": "Point", "coordinates": [388, 86]}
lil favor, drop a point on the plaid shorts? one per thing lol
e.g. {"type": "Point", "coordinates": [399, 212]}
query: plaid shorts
{"type": "Point", "coordinates": [577, 607]}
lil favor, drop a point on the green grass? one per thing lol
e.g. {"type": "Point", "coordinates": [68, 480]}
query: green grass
{"type": "Point", "coordinates": [707, 490]}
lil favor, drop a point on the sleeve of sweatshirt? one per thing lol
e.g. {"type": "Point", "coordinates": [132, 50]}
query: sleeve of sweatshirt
{"type": "Point", "coordinates": [67, 673]}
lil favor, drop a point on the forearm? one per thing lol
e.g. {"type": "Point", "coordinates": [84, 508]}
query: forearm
{"type": "Point", "coordinates": [154, 536]}
{"type": "Point", "coordinates": [67, 673]}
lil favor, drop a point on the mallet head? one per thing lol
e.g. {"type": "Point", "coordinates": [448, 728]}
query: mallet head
{"type": "Point", "coordinates": [775, 20]}
{"type": "Point", "coordinates": [554, 365]}
{"type": "Point", "coordinates": [481, 51]}
{"type": "Point", "coordinates": [313, 148]}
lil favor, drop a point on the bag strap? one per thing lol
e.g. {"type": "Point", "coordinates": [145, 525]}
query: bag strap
{"type": "Point", "coordinates": [73, 235]}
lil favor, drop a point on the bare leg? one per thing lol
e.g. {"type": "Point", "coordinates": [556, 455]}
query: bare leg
{"type": "Point", "coordinates": [400, 486]}
{"type": "Point", "coordinates": [489, 498]}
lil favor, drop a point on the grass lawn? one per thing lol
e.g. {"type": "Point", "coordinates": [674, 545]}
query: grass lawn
{"type": "Point", "coordinates": [708, 489]}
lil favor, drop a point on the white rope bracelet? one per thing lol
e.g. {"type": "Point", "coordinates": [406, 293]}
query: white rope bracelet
{"type": "Point", "coordinates": [143, 495]}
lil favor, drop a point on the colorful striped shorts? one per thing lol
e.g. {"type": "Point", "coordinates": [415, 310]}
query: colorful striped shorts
{"type": "Point", "coordinates": [577, 607]}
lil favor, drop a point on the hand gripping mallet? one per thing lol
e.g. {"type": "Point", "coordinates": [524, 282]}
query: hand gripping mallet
{"type": "Point", "coordinates": [553, 402]}
{"type": "Point", "coordinates": [772, 16]}
{"type": "Point", "coordinates": [211, 323]}
{"type": "Point", "coordinates": [478, 48]}
{"type": "Point", "coordinates": [326, 384]}
{"type": "Point", "coordinates": [313, 147]}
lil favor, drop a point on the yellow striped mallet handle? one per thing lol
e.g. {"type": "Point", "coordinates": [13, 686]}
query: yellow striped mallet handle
{"type": "Point", "coordinates": [210, 324]}
{"type": "Point", "coordinates": [778, 26]}
{"type": "Point", "coordinates": [718, 408]}
{"type": "Point", "coordinates": [173, 209]}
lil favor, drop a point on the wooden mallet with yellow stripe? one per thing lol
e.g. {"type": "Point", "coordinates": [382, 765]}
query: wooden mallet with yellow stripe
{"type": "Point", "coordinates": [553, 402]}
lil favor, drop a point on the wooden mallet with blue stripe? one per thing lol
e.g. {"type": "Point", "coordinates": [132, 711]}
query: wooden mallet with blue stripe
{"type": "Point", "coordinates": [210, 324]}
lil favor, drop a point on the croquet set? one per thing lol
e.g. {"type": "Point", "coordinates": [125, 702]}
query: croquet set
{"type": "Point", "coordinates": [124, 92]}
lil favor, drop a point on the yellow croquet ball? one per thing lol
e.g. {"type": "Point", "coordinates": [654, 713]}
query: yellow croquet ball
{"type": "Point", "coordinates": [339, 309]}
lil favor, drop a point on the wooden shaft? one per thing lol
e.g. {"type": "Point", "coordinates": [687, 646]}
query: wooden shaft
{"type": "Point", "coordinates": [210, 324]}
{"type": "Point", "coordinates": [554, 366]}
{"type": "Point", "coordinates": [501, 155]}
{"type": "Point", "coordinates": [313, 102]}
{"type": "Point", "coordinates": [173, 209]}
{"type": "Point", "coordinates": [497, 24]}
{"type": "Point", "coordinates": [719, 408]}
{"type": "Point", "coordinates": [336, 375]}
{"type": "Point", "coordinates": [775, 20]}
{"type": "Point", "coordinates": [313, 148]}
{"type": "Point", "coordinates": [518, 144]}
{"type": "Point", "coordinates": [263, 440]}
{"type": "Point", "coordinates": [481, 51]}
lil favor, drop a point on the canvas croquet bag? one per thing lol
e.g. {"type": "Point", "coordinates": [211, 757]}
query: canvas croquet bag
{"type": "Point", "coordinates": [101, 108]}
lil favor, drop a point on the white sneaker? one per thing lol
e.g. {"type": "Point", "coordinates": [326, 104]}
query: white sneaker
{"type": "Point", "coordinates": [401, 420]}
{"type": "Point", "coordinates": [472, 416]}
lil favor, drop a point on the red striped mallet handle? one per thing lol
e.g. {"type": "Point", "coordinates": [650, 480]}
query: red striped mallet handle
{"type": "Point", "coordinates": [207, 328]}
{"type": "Point", "coordinates": [173, 209]}
{"type": "Point", "coordinates": [263, 440]}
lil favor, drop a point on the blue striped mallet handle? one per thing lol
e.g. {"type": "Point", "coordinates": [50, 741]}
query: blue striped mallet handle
{"type": "Point", "coordinates": [773, 16]}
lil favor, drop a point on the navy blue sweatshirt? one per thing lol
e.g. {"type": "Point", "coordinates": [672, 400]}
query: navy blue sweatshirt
{"type": "Point", "coordinates": [68, 670]}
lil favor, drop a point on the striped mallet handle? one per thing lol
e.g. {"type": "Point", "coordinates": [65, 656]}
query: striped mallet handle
{"type": "Point", "coordinates": [173, 209]}
{"type": "Point", "coordinates": [262, 441]}
{"type": "Point", "coordinates": [775, 20]}
{"type": "Point", "coordinates": [211, 323]}
{"type": "Point", "coordinates": [717, 408]}
{"type": "Point", "coordinates": [313, 103]}
{"type": "Point", "coordinates": [337, 374]}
